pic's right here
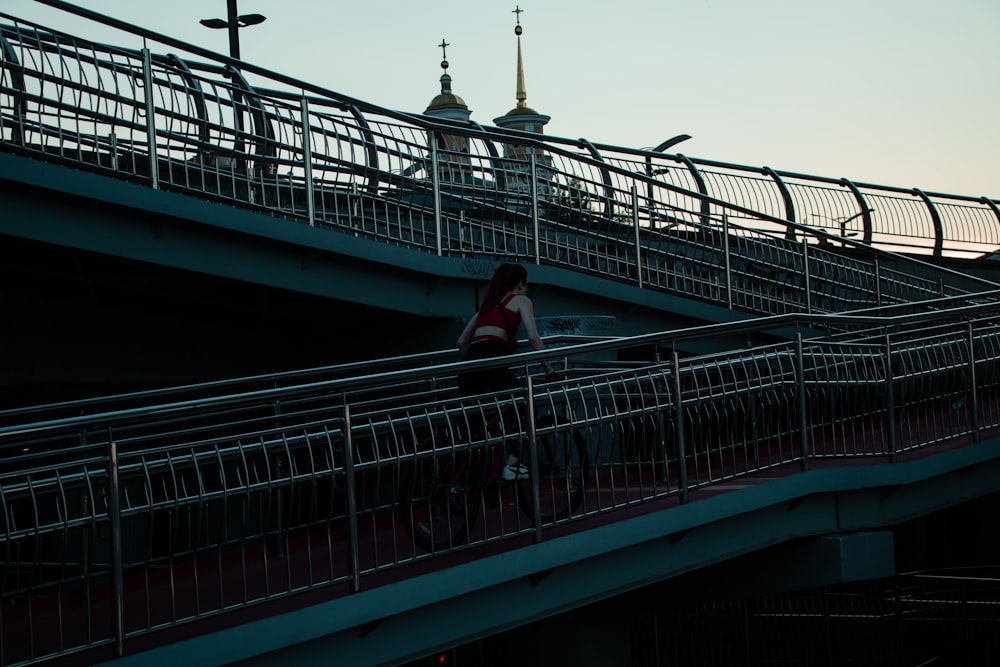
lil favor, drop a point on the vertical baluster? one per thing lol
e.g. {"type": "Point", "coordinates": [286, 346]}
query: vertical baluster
{"type": "Point", "coordinates": [805, 274]}
{"type": "Point", "coordinates": [534, 477]}
{"type": "Point", "coordinates": [147, 81]}
{"type": "Point", "coordinates": [281, 548]}
{"type": "Point", "coordinates": [727, 257]}
{"type": "Point", "coordinates": [638, 242]}
{"type": "Point", "coordinates": [115, 548]}
{"type": "Point", "coordinates": [679, 428]}
{"type": "Point", "coordinates": [800, 380]}
{"type": "Point", "coordinates": [973, 388]}
{"type": "Point", "coordinates": [534, 204]}
{"type": "Point", "coordinates": [113, 147]}
{"type": "Point", "coordinates": [878, 283]}
{"type": "Point", "coordinates": [351, 503]}
{"type": "Point", "coordinates": [307, 163]}
{"type": "Point", "coordinates": [436, 184]}
{"type": "Point", "coordinates": [890, 400]}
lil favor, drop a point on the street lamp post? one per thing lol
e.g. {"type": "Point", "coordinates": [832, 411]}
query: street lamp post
{"type": "Point", "coordinates": [234, 22]}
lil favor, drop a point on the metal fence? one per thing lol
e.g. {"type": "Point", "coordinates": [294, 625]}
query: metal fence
{"type": "Point", "coordinates": [934, 618]}
{"type": "Point", "coordinates": [121, 523]}
{"type": "Point", "coordinates": [749, 239]}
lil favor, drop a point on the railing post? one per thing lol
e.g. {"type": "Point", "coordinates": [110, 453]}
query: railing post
{"type": "Point", "coordinates": [805, 274]}
{"type": "Point", "coordinates": [973, 386]}
{"type": "Point", "coordinates": [727, 256]}
{"type": "Point", "coordinates": [878, 282]}
{"type": "Point", "coordinates": [536, 495]}
{"type": "Point", "coordinates": [307, 163]}
{"type": "Point", "coordinates": [638, 242]}
{"type": "Point", "coordinates": [663, 465]}
{"type": "Point", "coordinates": [436, 184]}
{"type": "Point", "coordinates": [800, 381]}
{"type": "Point", "coordinates": [534, 206]}
{"type": "Point", "coordinates": [890, 399]}
{"type": "Point", "coordinates": [147, 82]}
{"type": "Point", "coordinates": [281, 550]}
{"type": "Point", "coordinates": [679, 428]}
{"type": "Point", "coordinates": [113, 148]}
{"type": "Point", "coordinates": [115, 548]}
{"type": "Point", "coordinates": [351, 502]}
{"type": "Point", "coordinates": [85, 499]}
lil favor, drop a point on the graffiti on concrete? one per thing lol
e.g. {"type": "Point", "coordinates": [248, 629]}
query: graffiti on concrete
{"type": "Point", "coordinates": [578, 325]}
{"type": "Point", "coordinates": [477, 267]}
{"type": "Point", "coordinates": [563, 325]}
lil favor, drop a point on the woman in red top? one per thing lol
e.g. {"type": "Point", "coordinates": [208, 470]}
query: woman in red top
{"type": "Point", "coordinates": [493, 330]}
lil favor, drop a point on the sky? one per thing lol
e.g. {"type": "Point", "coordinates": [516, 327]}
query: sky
{"type": "Point", "coordinates": [903, 93]}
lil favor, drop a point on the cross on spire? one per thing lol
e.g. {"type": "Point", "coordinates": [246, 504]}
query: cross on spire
{"type": "Point", "coordinates": [522, 116]}
{"type": "Point", "coordinates": [444, 57]}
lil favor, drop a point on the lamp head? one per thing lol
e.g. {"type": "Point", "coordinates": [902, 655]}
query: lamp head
{"type": "Point", "coordinates": [250, 19]}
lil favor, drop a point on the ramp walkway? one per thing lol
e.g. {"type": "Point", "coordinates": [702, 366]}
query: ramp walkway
{"type": "Point", "coordinates": [359, 509]}
{"type": "Point", "coordinates": [356, 508]}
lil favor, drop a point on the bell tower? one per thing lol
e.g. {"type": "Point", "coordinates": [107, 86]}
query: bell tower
{"type": "Point", "coordinates": [453, 149]}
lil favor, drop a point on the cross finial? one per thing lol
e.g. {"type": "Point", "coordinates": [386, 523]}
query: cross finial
{"type": "Point", "coordinates": [444, 54]}
{"type": "Point", "coordinates": [517, 12]}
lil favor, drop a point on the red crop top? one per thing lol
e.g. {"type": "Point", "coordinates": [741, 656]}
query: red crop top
{"type": "Point", "coordinates": [506, 319]}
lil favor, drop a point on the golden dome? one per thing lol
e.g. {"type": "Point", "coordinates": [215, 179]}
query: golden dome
{"type": "Point", "coordinates": [446, 99]}
{"type": "Point", "coordinates": [522, 111]}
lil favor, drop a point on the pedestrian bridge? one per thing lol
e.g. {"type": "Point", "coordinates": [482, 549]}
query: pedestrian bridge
{"type": "Point", "coordinates": [818, 377]}
{"type": "Point", "coordinates": [353, 511]}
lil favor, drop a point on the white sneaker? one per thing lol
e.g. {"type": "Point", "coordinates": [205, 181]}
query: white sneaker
{"type": "Point", "coordinates": [514, 470]}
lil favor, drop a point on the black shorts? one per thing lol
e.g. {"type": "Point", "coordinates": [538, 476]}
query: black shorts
{"type": "Point", "coordinates": [489, 379]}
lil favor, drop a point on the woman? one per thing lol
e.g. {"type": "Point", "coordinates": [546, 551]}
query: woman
{"type": "Point", "coordinates": [493, 333]}
{"type": "Point", "coordinates": [493, 330]}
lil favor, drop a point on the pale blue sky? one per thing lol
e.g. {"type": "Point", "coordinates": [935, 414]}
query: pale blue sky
{"type": "Point", "coordinates": [895, 92]}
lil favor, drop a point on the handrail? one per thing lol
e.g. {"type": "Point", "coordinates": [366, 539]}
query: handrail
{"type": "Point", "coordinates": [283, 377]}
{"type": "Point", "coordinates": [241, 384]}
{"type": "Point", "coordinates": [878, 318]}
{"type": "Point", "coordinates": [311, 457]}
{"type": "Point", "coordinates": [162, 507]}
{"type": "Point", "coordinates": [394, 206]}
{"type": "Point", "coordinates": [608, 151]}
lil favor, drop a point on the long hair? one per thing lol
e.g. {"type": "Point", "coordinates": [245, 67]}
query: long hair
{"type": "Point", "coordinates": [504, 278]}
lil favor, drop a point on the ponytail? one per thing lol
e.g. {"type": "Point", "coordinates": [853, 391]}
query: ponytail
{"type": "Point", "coordinates": [504, 278]}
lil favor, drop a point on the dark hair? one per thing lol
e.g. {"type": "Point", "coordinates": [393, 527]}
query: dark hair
{"type": "Point", "coordinates": [504, 278]}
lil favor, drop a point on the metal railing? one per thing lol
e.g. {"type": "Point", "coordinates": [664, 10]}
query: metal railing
{"type": "Point", "coordinates": [919, 618]}
{"type": "Point", "coordinates": [765, 242]}
{"type": "Point", "coordinates": [121, 523]}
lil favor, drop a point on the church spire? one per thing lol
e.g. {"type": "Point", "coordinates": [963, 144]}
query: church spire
{"type": "Point", "coordinates": [521, 117]}
{"type": "Point", "coordinates": [447, 104]}
{"type": "Point", "coordinates": [522, 93]}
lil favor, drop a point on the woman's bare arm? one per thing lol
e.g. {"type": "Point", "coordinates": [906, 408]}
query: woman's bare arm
{"type": "Point", "coordinates": [466, 338]}
{"type": "Point", "coordinates": [527, 310]}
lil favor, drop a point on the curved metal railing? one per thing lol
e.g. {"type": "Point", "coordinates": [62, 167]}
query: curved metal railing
{"type": "Point", "coordinates": [118, 524]}
{"type": "Point", "coordinates": [749, 239]}
{"type": "Point", "coordinates": [104, 515]}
